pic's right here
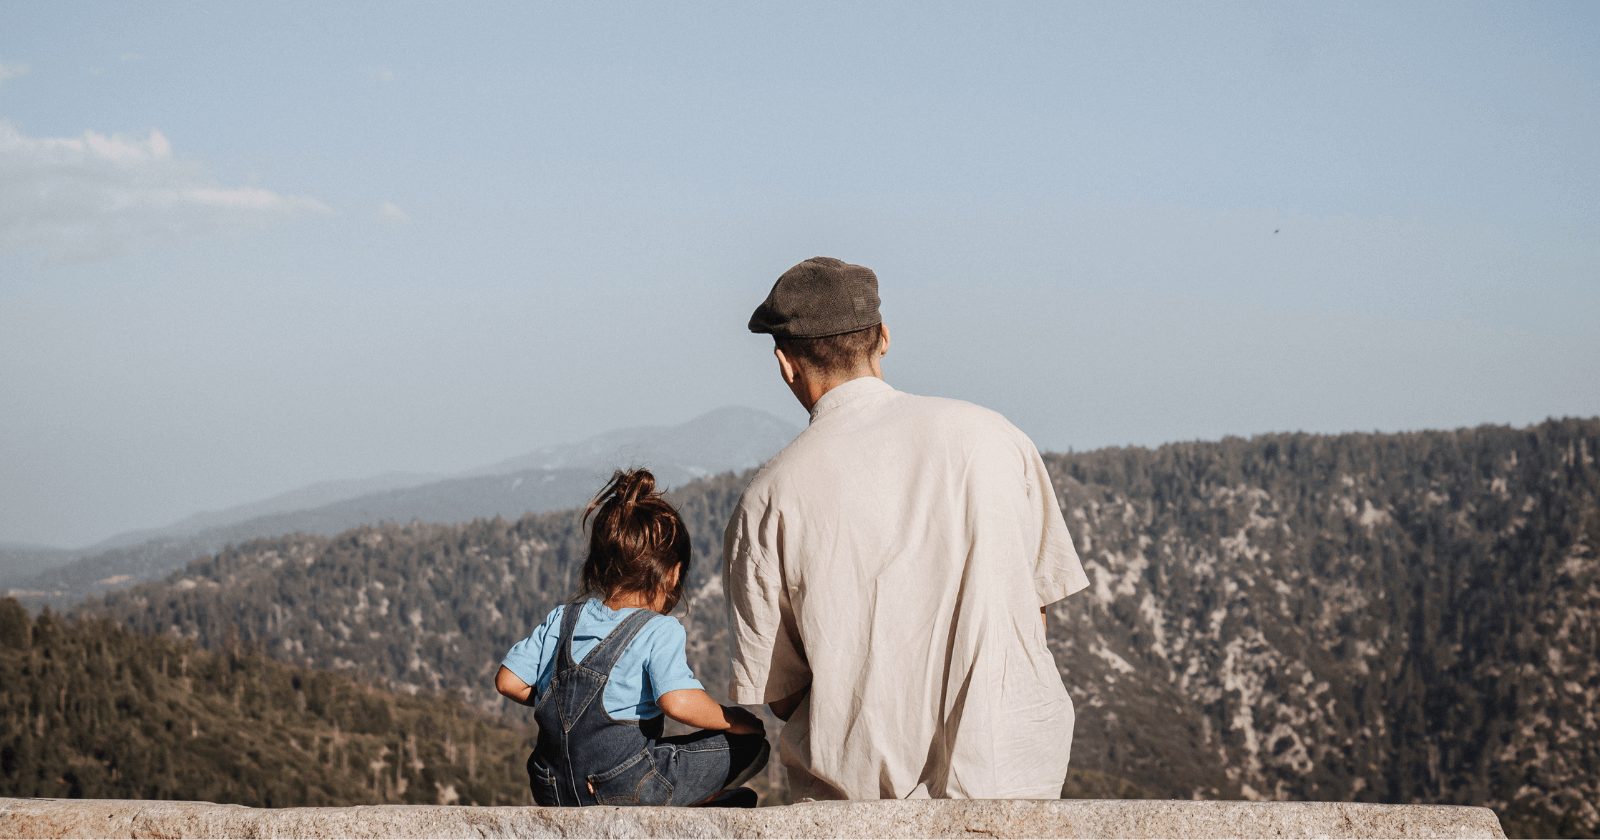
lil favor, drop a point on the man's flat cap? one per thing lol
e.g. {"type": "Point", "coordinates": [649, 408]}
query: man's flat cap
{"type": "Point", "coordinates": [819, 297]}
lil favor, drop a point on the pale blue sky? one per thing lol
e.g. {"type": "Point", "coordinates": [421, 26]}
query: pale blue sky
{"type": "Point", "coordinates": [248, 247]}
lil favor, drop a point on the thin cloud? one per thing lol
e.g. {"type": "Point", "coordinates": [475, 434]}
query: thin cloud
{"type": "Point", "coordinates": [94, 195]}
{"type": "Point", "coordinates": [381, 74]}
{"type": "Point", "coordinates": [391, 213]}
{"type": "Point", "coordinates": [12, 71]}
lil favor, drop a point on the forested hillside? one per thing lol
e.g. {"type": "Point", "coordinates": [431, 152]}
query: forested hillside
{"type": "Point", "coordinates": [1391, 618]}
{"type": "Point", "coordinates": [89, 709]}
{"type": "Point", "coordinates": [1407, 617]}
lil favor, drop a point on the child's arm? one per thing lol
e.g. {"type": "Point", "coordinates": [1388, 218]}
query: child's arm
{"type": "Point", "coordinates": [513, 687]}
{"type": "Point", "coordinates": [694, 707]}
{"type": "Point", "coordinates": [528, 657]}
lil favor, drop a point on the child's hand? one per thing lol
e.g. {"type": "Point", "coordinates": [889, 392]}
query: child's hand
{"type": "Point", "coordinates": [693, 706]}
{"type": "Point", "coordinates": [741, 722]}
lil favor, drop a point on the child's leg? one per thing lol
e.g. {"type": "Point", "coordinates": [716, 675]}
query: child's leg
{"type": "Point", "coordinates": [704, 763]}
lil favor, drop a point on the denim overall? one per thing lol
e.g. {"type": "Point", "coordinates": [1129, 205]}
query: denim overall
{"type": "Point", "coordinates": [586, 757]}
{"type": "Point", "coordinates": [579, 744]}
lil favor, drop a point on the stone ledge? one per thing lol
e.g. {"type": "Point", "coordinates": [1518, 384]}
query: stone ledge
{"type": "Point", "coordinates": [904, 818]}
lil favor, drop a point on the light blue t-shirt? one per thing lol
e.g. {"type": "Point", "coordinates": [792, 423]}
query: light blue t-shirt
{"type": "Point", "coordinates": [653, 664]}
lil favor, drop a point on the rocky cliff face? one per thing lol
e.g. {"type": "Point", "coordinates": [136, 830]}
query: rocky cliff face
{"type": "Point", "coordinates": [1373, 617]}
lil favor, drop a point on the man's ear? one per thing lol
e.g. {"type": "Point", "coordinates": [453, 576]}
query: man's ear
{"type": "Point", "coordinates": [785, 367]}
{"type": "Point", "coordinates": [883, 339]}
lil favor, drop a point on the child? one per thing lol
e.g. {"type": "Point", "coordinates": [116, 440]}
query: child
{"type": "Point", "coordinates": [600, 672]}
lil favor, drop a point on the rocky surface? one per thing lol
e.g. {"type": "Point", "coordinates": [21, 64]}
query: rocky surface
{"type": "Point", "coordinates": [987, 818]}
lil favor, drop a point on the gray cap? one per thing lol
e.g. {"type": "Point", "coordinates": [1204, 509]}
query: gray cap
{"type": "Point", "coordinates": [819, 297]}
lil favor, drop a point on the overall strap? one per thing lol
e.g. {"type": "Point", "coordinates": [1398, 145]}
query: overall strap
{"type": "Point", "coordinates": [605, 655]}
{"type": "Point", "coordinates": [569, 624]}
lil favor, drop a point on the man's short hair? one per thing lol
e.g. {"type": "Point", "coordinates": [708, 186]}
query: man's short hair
{"type": "Point", "coordinates": [842, 353]}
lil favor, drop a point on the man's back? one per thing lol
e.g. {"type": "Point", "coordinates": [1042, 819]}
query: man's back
{"type": "Point", "coordinates": [894, 557]}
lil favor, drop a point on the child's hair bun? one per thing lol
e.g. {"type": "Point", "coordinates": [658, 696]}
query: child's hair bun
{"type": "Point", "coordinates": [628, 487]}
{"type": "Point", "coordinates": [637, 539]}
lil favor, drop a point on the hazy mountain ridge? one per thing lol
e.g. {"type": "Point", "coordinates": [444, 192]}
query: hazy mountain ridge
{"type": "Point", "coordinates": [299, 499]}
{"type": "Point", "coordinates": [548, 479]}
{"type": "Point", "coordinates": [730, 438]}
{"type": "Point", "coordinates": [1375, 617]}
{"type": "Point", "coordinates": [23, 559]}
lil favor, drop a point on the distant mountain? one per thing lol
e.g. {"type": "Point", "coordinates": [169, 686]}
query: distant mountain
{"type": "Point", "coordinates": [90, 710]}
{"type": "Point", "coordinates": [22, 546]}
{"type": "Point", "coordinates": [1399, 618]}
{"type": "Point", "coordinates": [304, 498]}
{"type": "Point", "coordinates": [730, 438]}
{"type": "Point", "coordinates": [18, 560]}
{"type": "Point", "coordinates": [548, 479]}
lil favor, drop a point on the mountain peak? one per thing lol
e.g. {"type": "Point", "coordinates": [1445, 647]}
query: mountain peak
{"type": "Point", "coordinates": [726, 438]}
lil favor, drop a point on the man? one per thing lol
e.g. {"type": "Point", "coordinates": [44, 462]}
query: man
{"type": "Point", "coordinates": [887, 571]}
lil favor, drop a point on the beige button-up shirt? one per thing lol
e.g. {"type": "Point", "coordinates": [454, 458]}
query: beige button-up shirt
{"type": "Point", "coordinates": [893, 559]}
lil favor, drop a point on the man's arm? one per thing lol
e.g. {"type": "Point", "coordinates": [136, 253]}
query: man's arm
{"type": "Point", "coordinates": [784, 709]}
{"type": "Point", "coordinates": [768, 658]}
{"type": "Point", "coordinates": [1057, 571]}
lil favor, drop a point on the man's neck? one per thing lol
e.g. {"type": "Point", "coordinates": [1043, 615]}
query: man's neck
{"type": "Point", "coordinates": [809, 392]}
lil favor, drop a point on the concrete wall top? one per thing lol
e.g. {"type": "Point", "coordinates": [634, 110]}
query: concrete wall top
{"type": "Point", "coordinates": [906, 818]}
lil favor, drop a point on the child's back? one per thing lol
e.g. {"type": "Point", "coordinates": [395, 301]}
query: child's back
{"type": "Point", "coordinates": [598, 667]}
{"type": "Point", "coordinates": [652, 663]}
{"type": "Point", "coordinates": [603, 674]}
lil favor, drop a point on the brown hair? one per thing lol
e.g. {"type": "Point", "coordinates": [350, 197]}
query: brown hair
{"type": "Point", "coordinates": [636, 541]}
{"type": "Point", "coordinates": [831, 353]}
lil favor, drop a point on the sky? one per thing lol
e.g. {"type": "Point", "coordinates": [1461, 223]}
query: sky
{"type": "Point", "coordinates": [246, 247]}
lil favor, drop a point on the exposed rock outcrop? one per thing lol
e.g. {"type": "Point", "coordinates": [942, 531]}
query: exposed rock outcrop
{"type": "Point", "coordinates": [908, 818]}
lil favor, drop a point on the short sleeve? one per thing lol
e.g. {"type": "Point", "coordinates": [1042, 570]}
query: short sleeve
{"type": "Point", "coordinates": [527, 658]}
{"type": "Point", "coordinates": [769, 662]}
{"type": "Point", "coordinates": [668, 665]}
{"type": "Point", "coordinates": [1057, 571]}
